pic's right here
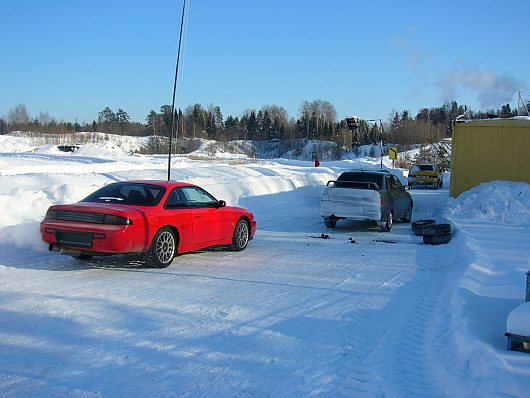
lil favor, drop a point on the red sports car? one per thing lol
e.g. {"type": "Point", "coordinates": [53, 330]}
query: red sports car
{"type": "Point", "coordinates": [158, 218]}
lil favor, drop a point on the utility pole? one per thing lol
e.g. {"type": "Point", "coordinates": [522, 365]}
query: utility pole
{"type": "Point", "coordinates": [520, 102]}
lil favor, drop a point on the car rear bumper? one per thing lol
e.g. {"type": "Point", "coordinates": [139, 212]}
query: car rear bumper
{"type": "Point", "coordinates": [423, 181]}
{"type": "Point", "coordinates": [104, 239]}
{"type": "Point", "coordinates": [333, 209]}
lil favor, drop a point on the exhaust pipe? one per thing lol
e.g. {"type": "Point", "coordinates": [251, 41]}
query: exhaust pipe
{"type": "Point", "coordinates": [63, 250]}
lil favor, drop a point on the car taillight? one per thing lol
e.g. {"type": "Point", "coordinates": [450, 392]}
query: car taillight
{"type": "Point", "coordinates": [51, 214]}
{"type": "Point", "coordinates": [382, 201]}
{"type": "Point", "coordinates": [116, 220]}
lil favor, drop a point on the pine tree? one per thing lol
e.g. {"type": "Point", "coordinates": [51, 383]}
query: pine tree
{"type": "Point", "coordinates": [506, 111]}
{"type": "Point", "coordinates": [106, 116]}
{"type": "Point", "coordinates": [3, 127]}
{"type": "Point", "coordinates": [266, 126]}
{"type": "Point", "coordinates": [152, 120]}
{"type": "Point", "coordinates": [251, 125]}
{"type": "Point", "coordinates": [166, 118]}
{"type": "Point", "coordinates": [122, 118]}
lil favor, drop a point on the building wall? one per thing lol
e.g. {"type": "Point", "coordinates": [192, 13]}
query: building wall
{"type": "Point", "coordinates": [489, 150]}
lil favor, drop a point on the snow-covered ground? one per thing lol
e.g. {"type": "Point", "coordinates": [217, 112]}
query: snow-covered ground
{"type": "Point", "coordinates": [362, 314]}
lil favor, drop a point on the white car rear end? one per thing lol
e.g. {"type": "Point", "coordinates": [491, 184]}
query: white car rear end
{"type": "Point", "coordinates": [353, 204]}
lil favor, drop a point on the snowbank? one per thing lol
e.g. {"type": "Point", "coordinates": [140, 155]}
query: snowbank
{"type": "Point", "coordinates": [501, 202]}
{"type": "Point", "coordinates": [519, 320]}
{"type": "Point", "coordinates": [493, 220]}
{"type": "Point", "coordinates": [9, 143]}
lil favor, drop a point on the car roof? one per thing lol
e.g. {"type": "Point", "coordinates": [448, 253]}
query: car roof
{"type": "Point", "coordinates": [163, 183]}
{"type": "Point", "coordinates": [367, 171]}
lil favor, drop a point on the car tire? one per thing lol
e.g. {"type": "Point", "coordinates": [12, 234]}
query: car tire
{"type": "Point", "coordinates": [437, 239]}
{"type": "Point", "coordinates": [436, 229]}
{"type": "Point", "coordinates": [241, 235]}
{"type": "Point", "coordinates": [162, 249]}
{"type": "Point", "coordinates": [387, 226]}
{"type": "Point", "coordinates": [330, 222]}
{"type": "Point", "coordinates": [417, 226]}
{"type": "Point", "coordinates": [408, 215]}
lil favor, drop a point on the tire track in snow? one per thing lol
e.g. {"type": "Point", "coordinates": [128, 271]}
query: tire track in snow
{"type": "Point", "coordinates": [395, 362]}
{"type": "Point", "coordinates": [336, 373]}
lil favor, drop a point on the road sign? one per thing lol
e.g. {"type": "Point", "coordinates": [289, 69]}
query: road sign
{"type": "Point", "coordinates": [392, 152]}
{"type": "Point", "coordinates": [352, 122]}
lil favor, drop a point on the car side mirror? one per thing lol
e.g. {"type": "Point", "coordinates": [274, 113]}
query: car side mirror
{"type": "Point", "coordinates": [221, 203]}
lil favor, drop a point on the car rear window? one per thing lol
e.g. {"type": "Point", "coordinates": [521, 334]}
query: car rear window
{"type": "Point", "coordinates": [128, 194]}
{"type": "Point", "coordinates": [422, 167]}
{"type": "Point", "coordinates": [345, 179]}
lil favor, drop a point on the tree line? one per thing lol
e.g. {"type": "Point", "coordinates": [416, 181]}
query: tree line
{"type": "Point", "coordinates": [316, 120]}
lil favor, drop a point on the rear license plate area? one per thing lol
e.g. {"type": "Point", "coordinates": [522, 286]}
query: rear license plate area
{"type": "Point", "coordinates": [77, 239]}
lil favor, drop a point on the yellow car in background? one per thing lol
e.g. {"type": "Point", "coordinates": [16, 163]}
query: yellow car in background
{"type": "Point", "coordinates": [425, 174]}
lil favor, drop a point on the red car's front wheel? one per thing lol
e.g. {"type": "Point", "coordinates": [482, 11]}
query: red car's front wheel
{"type": "Point", "coordinates": [241, 235]}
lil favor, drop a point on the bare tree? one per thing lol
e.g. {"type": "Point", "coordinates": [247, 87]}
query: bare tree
{"type": "Point", "coordinates": [45, 119]}
{"type": "Point", "coordinates": [18, 116]}
{"type": "Point", "coordinates": [328, 112]}
{"type": "Point", "coordinates": [276, 112]}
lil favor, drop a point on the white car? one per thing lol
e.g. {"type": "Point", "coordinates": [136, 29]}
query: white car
{"type": "Point", "coordinates": [366, 195]}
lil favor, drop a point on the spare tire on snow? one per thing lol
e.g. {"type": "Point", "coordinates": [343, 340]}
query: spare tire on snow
{"type": "Point", "coordinates": [436, 239]}
{"type": "Point", "coordinates": [417, 226]}
{"type": "Point", "coordinates": [436, 229]}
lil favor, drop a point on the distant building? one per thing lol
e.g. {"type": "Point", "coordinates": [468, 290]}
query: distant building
{"type": "Point", "coordinates": [489, 150]}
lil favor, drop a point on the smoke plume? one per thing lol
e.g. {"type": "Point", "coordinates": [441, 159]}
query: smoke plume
{"type": "Point", "coordinates": [491, 88]}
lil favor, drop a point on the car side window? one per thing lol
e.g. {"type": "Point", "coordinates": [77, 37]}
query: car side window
{"type": "Point", "coordinates": [197, 197]}
{"type": "Point", "coordinates": [176, 200]}
{"type": "Point", "coordinates": [398, 183]}
{"type": "Point", "coordinates": [388, 183]}
{"type": "Point", "coordinates": [393, 183]}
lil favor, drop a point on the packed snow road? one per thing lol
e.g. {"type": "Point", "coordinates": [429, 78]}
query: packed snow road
{"type": "Point", "coordinates": [293, 315]}
{"type": "Point", "coordinates": [360, 314]}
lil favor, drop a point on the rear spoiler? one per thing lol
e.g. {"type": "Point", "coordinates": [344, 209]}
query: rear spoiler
{"type": "Point", "coordinates": [355, 184]}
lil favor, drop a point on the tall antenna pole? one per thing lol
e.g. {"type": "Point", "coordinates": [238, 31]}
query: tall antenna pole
{"type": "Point", "coordinates": [174, 92]}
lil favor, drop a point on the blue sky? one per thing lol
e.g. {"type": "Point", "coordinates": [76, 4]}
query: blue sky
{"type": "Point", "coordinates": [368, 58]}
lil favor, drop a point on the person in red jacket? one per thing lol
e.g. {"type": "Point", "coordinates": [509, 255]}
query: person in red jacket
{"type": "Point", "coordinates": [314, 156]}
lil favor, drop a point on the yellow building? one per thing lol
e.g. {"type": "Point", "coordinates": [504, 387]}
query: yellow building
{"type": "Point", "coordinates": [489, 150]}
